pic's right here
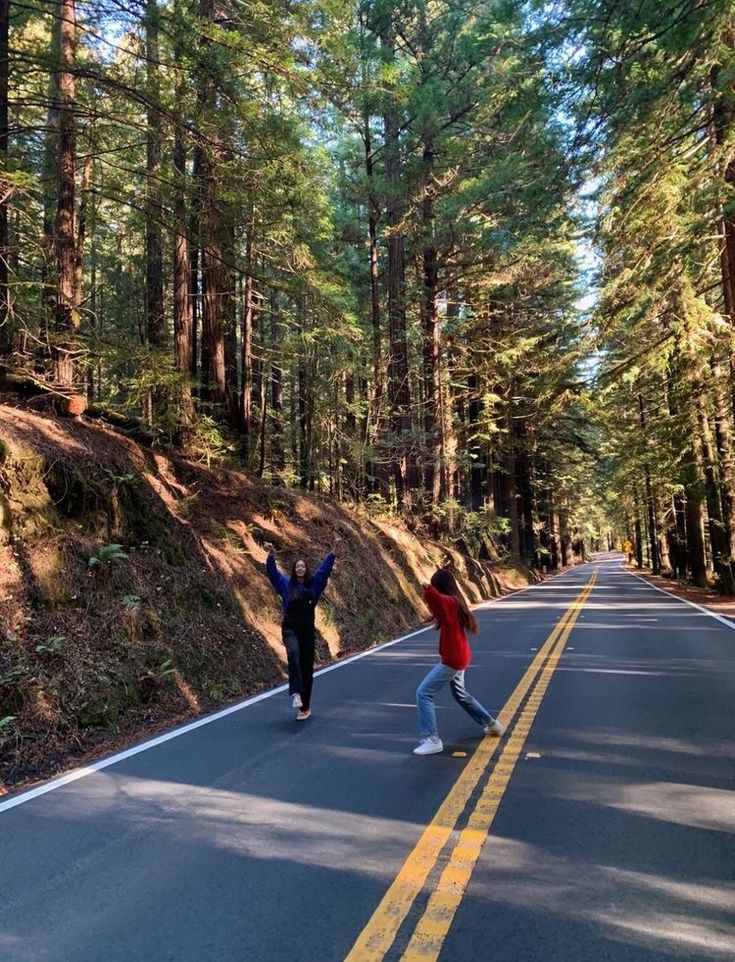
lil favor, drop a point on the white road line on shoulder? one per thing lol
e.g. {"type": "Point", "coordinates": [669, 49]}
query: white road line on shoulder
{"type": "Point", "coordinates": [77, 773]}
{"type": "Point", "coordinates": [103, 763]}
{"type": "Point", "coordinates": [669, 594]}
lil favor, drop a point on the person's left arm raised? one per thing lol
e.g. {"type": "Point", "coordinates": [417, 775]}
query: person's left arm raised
{"type": "Point", "coordinates": [322, 573]}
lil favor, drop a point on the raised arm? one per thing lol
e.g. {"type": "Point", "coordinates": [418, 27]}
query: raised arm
{"type": "Point", "coordinates": [321, 575]}
{"type": "Point", "coordinates": [437, 602]}
{"type": "Point", "coordinates": [279, 581]}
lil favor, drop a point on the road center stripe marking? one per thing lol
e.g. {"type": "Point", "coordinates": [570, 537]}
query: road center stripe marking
{"type": "Point", "coordinates": [433, 926]}
{"type": "Point", "coordinates": [380, 932]}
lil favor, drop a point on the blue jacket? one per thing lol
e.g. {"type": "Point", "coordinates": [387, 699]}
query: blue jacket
{"type": "Point", "coordinates": [282, 583]}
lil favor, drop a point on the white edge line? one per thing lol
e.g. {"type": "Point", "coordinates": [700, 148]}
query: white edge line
{"type": "Point", "coordinates": [78, 773]}
{"type": "Point", "coordinates": [670, 594]}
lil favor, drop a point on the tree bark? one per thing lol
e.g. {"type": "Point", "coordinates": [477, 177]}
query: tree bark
{"type": "Point", "coordinates": [696, 555]}
{"type": "Point", "coordinates": [475, 450]}
{"type": "Point", "coordinates": [720, 548]}
{"type": "Point", "coordinates": [431, 332]}
{"type": "Point", "coordinates": [153, 238]}
{"type": "Point", "coordinates": [398, 383]}
{"type": "Point", "coordinates": [5, 192]}
{"type": "Point", "coordinates": [278, 448]}
{"type": "Point", "coordinates": [723, 441]}
{"type": "Point", "coordinates": [652, 528]}
{"type": "Point", "coordinates": [373, 219]}
{"type": "Point", "coordinates": [637, 528]}
{"type": "Point", "coordinates": [67, 317]}
{"type": "Point", "coordinates": [182, 301]}
{"type": "Point", "coordinates": [246, 344]}
{"type": "Point", "coordinates": [214, 373]}
{"type": "Point", "coordinates": [723, 125]}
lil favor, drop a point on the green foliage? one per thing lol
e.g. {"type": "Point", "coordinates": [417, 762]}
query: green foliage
{"type": "Point", "coordinates": [106, 555]}
{"type": "Point", "coordinates": [52, 646]}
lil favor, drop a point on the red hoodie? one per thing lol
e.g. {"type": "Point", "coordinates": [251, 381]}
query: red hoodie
{"type": "Point", "coordinates": [454, 649]}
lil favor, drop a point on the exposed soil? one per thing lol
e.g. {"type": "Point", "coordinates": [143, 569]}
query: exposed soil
{"type": "Point", "coordinates": [101, 645]}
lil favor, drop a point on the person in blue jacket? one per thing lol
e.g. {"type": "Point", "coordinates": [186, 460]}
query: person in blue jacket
{"type": "Point", "coordinates": [299, 595]}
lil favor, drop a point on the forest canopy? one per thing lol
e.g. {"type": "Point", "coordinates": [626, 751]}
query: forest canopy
{"type": "Point", "coordinates": [348, 245]}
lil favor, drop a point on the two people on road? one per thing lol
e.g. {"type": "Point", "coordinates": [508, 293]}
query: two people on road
{"type": "Point", "coordinates": [454, 619]}
{"type": "Point", "coordinates": [299, 594]}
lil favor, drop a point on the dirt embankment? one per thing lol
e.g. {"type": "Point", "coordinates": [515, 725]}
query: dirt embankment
{"type": "Point", "coordinates": [132, 590]}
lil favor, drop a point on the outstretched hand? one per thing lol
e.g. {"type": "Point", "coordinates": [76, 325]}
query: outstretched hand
{"type": "Point", "coordinates": [269, 547]}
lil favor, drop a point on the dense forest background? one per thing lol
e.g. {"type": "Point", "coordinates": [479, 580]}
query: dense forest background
{"type": "Point", "coordinates": [470, 262]}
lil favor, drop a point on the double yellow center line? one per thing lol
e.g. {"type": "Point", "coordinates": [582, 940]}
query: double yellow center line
{"type": "Point", "coordinates": [378, 936]}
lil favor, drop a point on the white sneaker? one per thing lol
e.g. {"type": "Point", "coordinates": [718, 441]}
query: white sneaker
{"type": "Point", "coordinates": [429, 746]}
{"type": "Point", "coordinates": [494, 728]}
{"type": "Point", "coordinates": [296, 701]}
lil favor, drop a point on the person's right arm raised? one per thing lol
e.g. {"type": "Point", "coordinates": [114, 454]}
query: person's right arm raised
{"type": "Point", "coordinates": [276, 578]}
{"type": "Point", "coordinates": [437, 602]}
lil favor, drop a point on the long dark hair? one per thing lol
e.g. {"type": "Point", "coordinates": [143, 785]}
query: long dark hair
{"type": "Point", "coordinates": [295, 581]}
{"type": "Point", "coordinates": [444, 581]}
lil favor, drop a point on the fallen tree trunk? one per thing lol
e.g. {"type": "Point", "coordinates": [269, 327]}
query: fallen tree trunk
{"type": "Point", "coordinates": [73, 405]}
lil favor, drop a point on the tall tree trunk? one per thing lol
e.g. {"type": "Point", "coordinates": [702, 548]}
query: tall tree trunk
{"type": "Point", "coordinates": [652, 530]}
{"type": "Point", "coordinates": [475, 448]}
{"type": "Point", "coordinates": [373, 218]}
{"type": "Point", "coordinates": [565, 541]}
{"type": "Point", "coordinates": [213, 338]}
{"type": "Point", "coordinates": [637, 527]}
{"type": "Point", "coordinates": [724, 451]}
{"type": "Point", "coordinates": [263, 431]}
{"type": "Point", "coordinates": [720, 547]}
{"type": "Point", "coordinates": [696, 555]}
{"type": "Point", "coordinates": [67, 317]}
{"type": "Point", "coordinates": [214, 373]}
{"type": "Point", "coordinates": [398, 379]}
{"type": "Point", "coordinates": [5, 192]}
{"type": "Point", "coordinates": [278, 448]}
{"type": "Point", "coordinates": [677, 537]}
{"type": "Point", "coordinates": [182, 301]}
{"type": "Point", "coordinates": [81, 234]}
{"type": "Point", "coordinates": [213, 284]}
{"type": "Point", "coordinates": [663, 543]}
{"type": "Point", "coordinates": [723, 127]}
{"type": "Point", "coordinates": [510, 481]}
{"type": "Point", "coordinates": [304, 390]}
{"type": "Point", "coordinates": [431, 332]}
{"type": "Point", "coordinates": [49, 180]}
{"type": "Point", "coordinates": [197, 365]}
{"type": "Point", "coordinates": [156, 320]}
{"type": "Point", "coordinates": [229, 318]}
{"type": "Point", "coordinates": [554, 540]}
{"type": "Point", "coordinates": [246, 343]}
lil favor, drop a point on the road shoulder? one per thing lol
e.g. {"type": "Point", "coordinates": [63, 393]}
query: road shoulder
{"type": "Point", "coordinates": [707, 598]}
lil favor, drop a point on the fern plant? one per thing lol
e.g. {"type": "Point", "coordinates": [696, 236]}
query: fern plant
{"type": "Point", "coordinates": [106, 554]}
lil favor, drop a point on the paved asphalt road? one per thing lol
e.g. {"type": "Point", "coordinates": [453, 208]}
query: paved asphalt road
{"type": "Point", "coordinates": [601, 827]}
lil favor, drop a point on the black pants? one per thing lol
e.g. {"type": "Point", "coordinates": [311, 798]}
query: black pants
{"type": "Point", "coordinates": [299, 644]}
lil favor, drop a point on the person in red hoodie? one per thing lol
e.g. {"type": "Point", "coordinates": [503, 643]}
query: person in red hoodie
{"type": "Point", "coordinates": [453, 619]}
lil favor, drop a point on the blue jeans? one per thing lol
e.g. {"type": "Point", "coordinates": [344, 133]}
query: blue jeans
{"type": "Point", "coordinates": [436, 679]}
